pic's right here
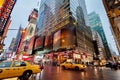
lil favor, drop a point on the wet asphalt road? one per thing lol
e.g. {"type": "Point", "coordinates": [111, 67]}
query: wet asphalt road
{"type": "Point", "coordinates": [99, 73]}
{"type": "Point", "coordinates": [56, 73]}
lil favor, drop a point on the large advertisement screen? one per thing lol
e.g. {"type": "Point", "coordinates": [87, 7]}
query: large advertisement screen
{"type": "Point", "coordinates": [68, 38]}
{"type": "Point", "coordinates": [49, 42]}
{"type": "Point", "coordinates": [39, 42]}
{"type": "Point", "coordinates": [56, 40]}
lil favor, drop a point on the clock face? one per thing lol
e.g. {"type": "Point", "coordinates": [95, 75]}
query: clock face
{"type": "Point", "coordinates": [31, 29]}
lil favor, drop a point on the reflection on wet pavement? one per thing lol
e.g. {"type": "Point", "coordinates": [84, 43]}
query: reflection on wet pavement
{"type": "Point", "coordinates": [56, 73]}
{"type": "Point", "coordinates": [99, 73]}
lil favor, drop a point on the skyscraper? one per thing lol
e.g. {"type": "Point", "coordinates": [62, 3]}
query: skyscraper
{"type": "Point", "coordinates": [66, 22]}
{"type": "Point", "coordinates": [113, 12]}
{"type": "Point", "coordinates": [96, 25]}
{"type": "Point", "coordinates": [16, 44]}
{"type": "Point", "coordinates": [99, 47]}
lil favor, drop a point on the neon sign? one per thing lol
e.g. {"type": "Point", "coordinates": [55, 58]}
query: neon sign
{"type": "Point", "coordinates": [1, 3]}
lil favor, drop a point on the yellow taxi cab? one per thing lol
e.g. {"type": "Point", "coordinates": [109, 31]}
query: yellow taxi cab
{"type": "Point", "coordinates": [21, 69]}
{"type": "Point", "coordinates": [73, 65]}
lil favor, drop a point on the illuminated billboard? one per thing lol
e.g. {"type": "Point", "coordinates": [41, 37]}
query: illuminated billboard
{"type": "Point", "coordinates": [1, 3]}
{"type": "Point", "coordinates": [49, 42]}
{"type": "Point", "coordinates": [64, 38]}
{"type": "Point", "coordinates": [39, 43]}
{"type": "Point", "coordinates": [56, 40]}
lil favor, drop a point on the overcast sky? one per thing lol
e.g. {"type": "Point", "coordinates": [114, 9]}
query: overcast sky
{"type": "Point", "coordinates": [23, 8]}
{"type": "Point", "coordinates": [20, 14]}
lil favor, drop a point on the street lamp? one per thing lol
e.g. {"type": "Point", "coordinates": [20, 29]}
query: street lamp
{"type": "Point", "coordinates": [23, 31]}
{"type": "Point", "coordinates": [63, 40]}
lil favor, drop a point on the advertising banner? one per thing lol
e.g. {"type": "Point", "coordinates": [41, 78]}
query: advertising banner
{"type": "Point", "coordinates": [39, 43]}
{"type": "Point", "coordinates": [49, 42]}
{"type": "Point", "coordinates": [1, 3]}
{"type": "Point", "coordinates": [56, 40]}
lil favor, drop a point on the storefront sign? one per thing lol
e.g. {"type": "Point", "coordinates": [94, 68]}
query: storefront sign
{"type": "Point", "coordinates": [77, 56]}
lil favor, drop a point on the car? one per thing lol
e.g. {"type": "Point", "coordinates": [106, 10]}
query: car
{"type": "Point", "coordinates": [73, 65]}
{"type": "Point", "coordinates": [108, 64]}
{"type": "Point", "coordinates": [21, 69]}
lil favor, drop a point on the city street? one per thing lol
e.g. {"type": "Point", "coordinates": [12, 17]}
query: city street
{"type": "Point", "coordinates": [75, 34]}
{"type": "Point", "coordinates": [56, 73]}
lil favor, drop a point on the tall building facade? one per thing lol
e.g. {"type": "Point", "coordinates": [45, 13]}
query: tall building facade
{"type": "Point", "coordinates": [62, 27]}
{"type": "Point", "coordinates": [12, 44]}
{"type": "Point", "coordinates": [27, 37]}
{"type": "Point", "coordinates": [26, 42]}
{"type": "Point", "coordinates": [30, 31]}
{"type": "Point", "coordinates": [99, 47]}
{"type": "Point", "coordinates": [18, 38]}
{"type": "Point", "coordinates": [113, 12]}
{"type": "Point", "coordinates": [96, 25]}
